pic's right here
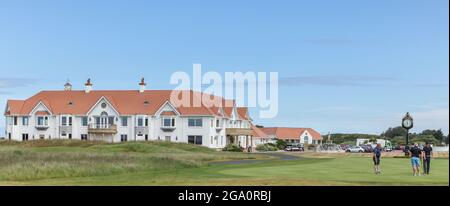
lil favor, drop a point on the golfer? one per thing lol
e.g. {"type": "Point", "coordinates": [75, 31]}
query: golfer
{"type": "Point", "coordinates": [376, 158]}
{"type": "Point", "coordinates": [415, 154]}
{"type": "Point", "coordinates": [427, 153]}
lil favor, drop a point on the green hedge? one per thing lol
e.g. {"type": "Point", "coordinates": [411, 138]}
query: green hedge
{"type": "Point", "coordinates": [266, 147]}
{"type": "Point", "coordinates": [232, 148]}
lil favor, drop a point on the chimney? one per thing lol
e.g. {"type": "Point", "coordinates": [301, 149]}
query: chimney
{"type": "Point", "coordinates": [88, 86]}
{"type": "Point", "coordinates": [67, 86]}
{"type": "Point", "coordinates": [142, 85]}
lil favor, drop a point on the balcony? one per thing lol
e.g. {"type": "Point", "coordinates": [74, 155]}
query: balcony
{"type": "Point", "coordinates": [167, 128]}
{"type": "Point", "coordinates": [41, 127]}
{"type": "Point", "coordinates": [102, 129]}
{"type": "Point", "coordinates": [238, 131]}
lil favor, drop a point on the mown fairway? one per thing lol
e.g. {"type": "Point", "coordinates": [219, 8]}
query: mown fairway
{"type": "Point", "coordinates": [162, 163]}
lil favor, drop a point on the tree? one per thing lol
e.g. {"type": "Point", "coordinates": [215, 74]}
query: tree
{"type": "Point", "coordinates": [438, 134]}
{"type": "Point", "coordinates": [422, 139]}
{"type": "Point", "coordinates": [394, 132]}
{"type": "Point", "coordinates": [398, 140]}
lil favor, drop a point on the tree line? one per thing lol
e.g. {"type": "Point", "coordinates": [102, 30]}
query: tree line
{"type": "Point", "coordinates": [397, 135]}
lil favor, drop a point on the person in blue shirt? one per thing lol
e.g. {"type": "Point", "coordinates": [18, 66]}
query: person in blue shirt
{"type": "Point", "coordinates": [376, 158]}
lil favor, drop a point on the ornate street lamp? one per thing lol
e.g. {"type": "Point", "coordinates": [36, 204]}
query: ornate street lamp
{"type": "Point", "coordinates": [407, 123]}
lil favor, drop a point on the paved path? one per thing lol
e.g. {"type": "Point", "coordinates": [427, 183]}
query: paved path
{"type": "Point", "coordinates": [279, 155]}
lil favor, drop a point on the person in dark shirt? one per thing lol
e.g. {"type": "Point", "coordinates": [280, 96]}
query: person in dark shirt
{"type": "Point", "coordinates": [427, 153]}
{"type": "Point", "coordinates": [376, 158]}
{"type": "Point", "coordinates": [415, 154]}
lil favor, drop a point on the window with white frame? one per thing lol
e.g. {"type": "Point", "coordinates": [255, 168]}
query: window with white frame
{"type": "Point", "coordinates": [195, 122]}
{"type": "Point", "coordinates": [140, 121]}
{"type": "Point", "coordinates": [66, 120]}
{"type": "Point", "coordinates": [218, 125]}
{"type": "Point", "coordinates": [42, 120]}
{"type": "Point", "coordinates": [84, 121]}
{"type": "Point", "coordinates": [168, 122]}
{"type": "Point", "coordinates": [25, 121]}
{"type": "Point", "coordinates": [124, 121]}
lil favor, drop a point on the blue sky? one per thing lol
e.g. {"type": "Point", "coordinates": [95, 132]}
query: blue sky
{"type": "Point", "coordinates": [344, 66]}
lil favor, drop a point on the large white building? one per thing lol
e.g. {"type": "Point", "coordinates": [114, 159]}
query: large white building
{"type": "Point", "coordinates": [125, 115]}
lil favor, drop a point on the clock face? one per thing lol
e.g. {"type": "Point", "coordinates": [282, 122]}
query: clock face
{"type": "Point", "coordinates": [407, 123]}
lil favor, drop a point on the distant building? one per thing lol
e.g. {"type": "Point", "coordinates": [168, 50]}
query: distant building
{"type": "Point", "coordinates": [294, 135]}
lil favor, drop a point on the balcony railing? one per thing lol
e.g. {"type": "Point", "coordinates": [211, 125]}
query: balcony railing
{"type": "Point", "coordinates": [102, 128]}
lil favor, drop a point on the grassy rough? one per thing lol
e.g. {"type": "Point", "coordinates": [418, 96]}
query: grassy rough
{"type": "Point", "coordinates": [35, 160]}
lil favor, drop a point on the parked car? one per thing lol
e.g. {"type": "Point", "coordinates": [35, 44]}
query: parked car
{"type": "Point", "coordinates": [294, 147]}
{"type": "Point", "coordinates": [345, 146]}
{"type": "Point", "coordinates": [355, 149]}
{"type": "Point", "coordinates": [387, 149]}
{"type": "Point", "coordinates": [367, 148]}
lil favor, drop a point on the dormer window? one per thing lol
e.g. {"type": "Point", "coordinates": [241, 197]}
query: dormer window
{"type": "Point", "coordinates": [146, 102]}
{"type": "Point", "coordinates": [70, 103]}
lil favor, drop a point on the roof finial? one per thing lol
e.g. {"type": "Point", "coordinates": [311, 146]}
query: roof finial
{"type": "Point", "coordinates": [88, 82]}
{"type": "Point", "coordinates": [67, 86]}
{"type": "Point", "coordinates": [142, 81]}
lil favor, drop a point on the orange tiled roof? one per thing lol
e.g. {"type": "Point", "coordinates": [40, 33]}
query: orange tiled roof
{"type": "Point", "coordinates": [257, 132]}
{"type": "Point", "coordinates": [291, 133]}
{"type": "Point", "coordinates": [126, 102]}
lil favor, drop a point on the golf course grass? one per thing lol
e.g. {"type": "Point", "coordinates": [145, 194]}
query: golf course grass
{"type": "Point", "coordinates": [162, 163]}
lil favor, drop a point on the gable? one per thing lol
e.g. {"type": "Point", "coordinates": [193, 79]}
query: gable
{"type": "Point", "coordinates": [103, 105]}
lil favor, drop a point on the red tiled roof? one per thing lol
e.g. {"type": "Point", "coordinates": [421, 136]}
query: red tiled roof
{"type": "Point", "coordinates": [127, 102]}
{"type": "Point", "coordinates": [168, 113]}
{"type": "Point", "coordinates": [291, 133]}
{"type": "Point", "coordinates": [257, 132]}
{"type": "Point", "coordinates": [42, 113]}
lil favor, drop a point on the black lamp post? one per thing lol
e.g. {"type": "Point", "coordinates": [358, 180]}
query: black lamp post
{"type": "Point", "coordinates": [407, 123]}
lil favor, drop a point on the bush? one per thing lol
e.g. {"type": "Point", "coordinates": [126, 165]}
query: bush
{"type": "Point", "coordinates": [266, 147]}
{"type": "Point", "coordinates": [233, 148]}
{"type": "Point", "coordinates": [310, 147]}
{"type": "Point", "coordinates": [280, 144]}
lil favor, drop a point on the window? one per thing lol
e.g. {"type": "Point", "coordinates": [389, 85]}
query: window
{"type": "Point", "coordinates": [167, 138]}
{"type": "Point", "coordinates": [63, 121]}
{"type": "Point", "coordinates": [146, 122]}
{"type": "Point", "coordinates": [103, 105]}
{"type": "Point", "coordinates": [146, 137]}
{"type": "Point", "coordinates": [110, 120]}
{"type": "Point", "coordinates": [9, 136]}
{"type": "Point", "coordinates": [140, 121]}
{"type": "Point", "coordinates": [70, 136]}
{"type": "Point", "coordinates": [24, 121]}
{"type": "Point", "coordinates": [195, 140]}
{"type": "Point", "coordinates": [124, 121]}
{"type": "Point", "coordinates": [84, 136]}
{"type": "Point", "coordinates": [24, 137]}
{"type": "Point", "coordinates": [42, 121]}
{"type": "Point", "coordinates": [195, 122]}
{"type": "Point", "coordinates": [15, 120]}
{"type": "Point", "coordinates": [123, 138]}
{"type": "Point", "coordinates": [218, 123]}
{"type": "Point", "coordinates": [169, 122]}
{"type": "Point", "coordinates": [306, 139]}
{"type": "Point", "coordinates": [63, 133]}
{"type": "Point", "coordinates": [70, 121]}
{"type": "Point", "coordinates": [84, 121]}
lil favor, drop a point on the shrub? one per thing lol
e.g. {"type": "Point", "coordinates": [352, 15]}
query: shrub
{"type": "Point", "coordinates": [310, 147]}
{"type": "Point", "coordinates": [232, 148]}
{"type": "Point", "coordinates": [281, 144]}
{"type": "Point", "coordinates": [266, 147]}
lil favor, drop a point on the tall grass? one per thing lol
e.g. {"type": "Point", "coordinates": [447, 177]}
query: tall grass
{"type": "Point", "coordinates": [33, 160]}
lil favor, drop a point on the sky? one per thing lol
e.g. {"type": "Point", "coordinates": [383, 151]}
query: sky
{"type": "Point", "coordinates": [343, 66]}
